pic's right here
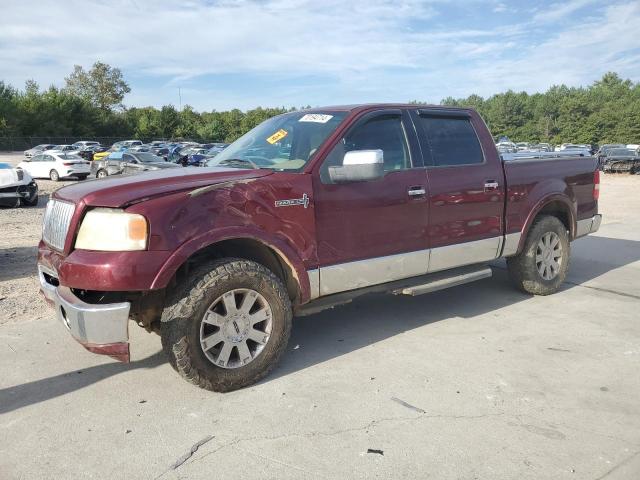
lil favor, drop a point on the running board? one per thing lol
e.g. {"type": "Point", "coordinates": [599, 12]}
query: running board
{"type": "Point", "coordinates": [442, 283]}
{"type": "Point", "coordinates": [431, 282]}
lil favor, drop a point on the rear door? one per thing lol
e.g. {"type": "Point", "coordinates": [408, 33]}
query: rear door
{"type": "Point", "coordinates": [373, 232]}
{"type": "Point", "coordinates": [466, 188]}
{"type": "Point", "coordinates": [130, 164]}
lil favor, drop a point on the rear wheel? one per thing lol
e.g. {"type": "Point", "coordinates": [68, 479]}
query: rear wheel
{"type": "Point", "coordinates": [101, 174]}
{"type": "Point", "coordinates": [54, 175]}
{"type": "Point", "coordinates": [542, 265]}
{"type": "Point", "coordinates": [228, 325]}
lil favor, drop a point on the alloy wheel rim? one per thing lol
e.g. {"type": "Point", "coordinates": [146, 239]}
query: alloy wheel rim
{"type": "Point", "coordinates": [549, 256]}
{"type": "Point", "coordinates": [235, 328]}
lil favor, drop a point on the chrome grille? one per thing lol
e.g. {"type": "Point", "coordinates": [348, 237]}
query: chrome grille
{"type": "Point", "coordinates": [57, 218]}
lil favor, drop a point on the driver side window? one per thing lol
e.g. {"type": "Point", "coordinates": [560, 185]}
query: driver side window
{"type": "Point", "coordinates": [384, 132]}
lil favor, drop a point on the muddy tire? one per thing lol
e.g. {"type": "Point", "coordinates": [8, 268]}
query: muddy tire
{"type": "Point", "coordinates": [543, 264]}
{"type": "Point", "coordinates": [227, 325]}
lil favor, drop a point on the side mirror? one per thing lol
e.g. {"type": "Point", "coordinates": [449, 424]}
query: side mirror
{"type": "Point", "coordinates": [359, 166]}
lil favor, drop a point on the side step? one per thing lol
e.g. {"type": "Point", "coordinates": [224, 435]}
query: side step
{"type": "Point", "coordinates": [446, 282]}
{"type": "Point", "coordinates": [431, 282]}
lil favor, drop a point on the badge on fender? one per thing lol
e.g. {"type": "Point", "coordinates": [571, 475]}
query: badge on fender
{"type": "Point", "coordinates": [294, 201]}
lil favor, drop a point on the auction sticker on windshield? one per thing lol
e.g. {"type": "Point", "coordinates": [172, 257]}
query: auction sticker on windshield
{"type": "Point", "coordinates": [279, 135]}
{"type": "Point", "coordinates": [316, 117]}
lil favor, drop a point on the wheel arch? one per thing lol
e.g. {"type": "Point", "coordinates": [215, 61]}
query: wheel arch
{"type": "Point", "coordinates": [558, 206]}
{"type": "Point", "coordinates": [276, 256]}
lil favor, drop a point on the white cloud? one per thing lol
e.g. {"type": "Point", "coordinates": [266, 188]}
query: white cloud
{"type": "Point", "coordinates": [559, 11]}
{"type": "Point", "coordinates": [344, 51]}
{"type": "Point", "coordinates": [500, 8]}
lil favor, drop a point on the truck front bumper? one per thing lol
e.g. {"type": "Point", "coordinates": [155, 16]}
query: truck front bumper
{"type": "Point", "coordinates": [100, 328]}
{"type": "Point", "coordinates": [588, 225]}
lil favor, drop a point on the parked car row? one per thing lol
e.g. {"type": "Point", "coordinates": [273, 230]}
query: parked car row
{"type": "Point", "coordinates": [613, 157]}
{"type": "Point", "coordinates": [128, 162]}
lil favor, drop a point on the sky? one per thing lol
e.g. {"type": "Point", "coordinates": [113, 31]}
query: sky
{"type": "Point", "coordinates": [245, 53]}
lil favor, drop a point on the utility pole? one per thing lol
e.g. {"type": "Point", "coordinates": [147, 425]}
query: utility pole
{"type": "Point", "coordinates": [180, 97]}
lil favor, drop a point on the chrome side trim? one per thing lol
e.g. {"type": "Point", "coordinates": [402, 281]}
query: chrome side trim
{"type": "Point", "coordinates": [314, 283]}
{"type": "Point", "coordinates": [372, 271]}
{"type": "Point", "coordinates": [460, 254]}
{"type": "Point", "coordinates": [597, 220]}
{"type": "Point", "coordinates": [500, 244]}
{"type": "Point", "coordinates": [588, 225]}
{"type": "Point", "coordinates": [511, 242]}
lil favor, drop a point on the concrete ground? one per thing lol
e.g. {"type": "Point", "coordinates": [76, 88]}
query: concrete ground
{"type": "Point", "coordinates": [476, 382]}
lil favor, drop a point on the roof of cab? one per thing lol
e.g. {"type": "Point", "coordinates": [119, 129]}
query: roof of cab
{"type": "Point", "coordinates": [368, 106]}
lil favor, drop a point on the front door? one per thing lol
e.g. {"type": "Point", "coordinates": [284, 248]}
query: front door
{"type": "Point", "coordinates": [32, 166]}
{"type": "Point", "coordinates": [466, 189]}
{"type": "Point", "coordinates": [373, 232]}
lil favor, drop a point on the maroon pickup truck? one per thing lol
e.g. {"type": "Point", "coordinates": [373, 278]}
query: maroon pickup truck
{"type": "Point", "coordinates": [307, 211]}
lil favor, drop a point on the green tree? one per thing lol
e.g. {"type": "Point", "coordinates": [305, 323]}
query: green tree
{"type": "Point", "coordinates": [103, 85]}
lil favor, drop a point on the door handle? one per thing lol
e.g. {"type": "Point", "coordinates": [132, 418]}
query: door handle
{"type": "Point", "coordinates": [491, 185]}
{"type": "Point", "coordinates": [416, 191]}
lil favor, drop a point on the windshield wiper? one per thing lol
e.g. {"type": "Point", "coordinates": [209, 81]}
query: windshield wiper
{"type": "Point", "coordinates": [238, 162]}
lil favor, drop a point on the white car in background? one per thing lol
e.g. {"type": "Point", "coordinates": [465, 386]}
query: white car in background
{"type": "Point", "coordinates": [38, 149]}
{"type": "Point", "coordinates": [83, 144]}
{"type": "Point", "coordinates": [70, 149]}
{"type": "Point", "coordinates": [55, 165]}
{"type": "Point", "coordinates": [16, 187]}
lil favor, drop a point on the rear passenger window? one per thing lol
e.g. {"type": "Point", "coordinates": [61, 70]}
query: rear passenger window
{"type": "Point", "coordinates": [452, 141]}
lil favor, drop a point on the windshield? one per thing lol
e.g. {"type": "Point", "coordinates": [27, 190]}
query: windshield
{"type": "Point", "coordinates": [148, 158]}
{"type": "Point", "coordinates": [285, 142]}
{"type": "Point", "coordinates": [619, 151]}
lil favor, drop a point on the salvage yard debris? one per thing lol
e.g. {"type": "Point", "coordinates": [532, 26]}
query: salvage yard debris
{"type": "Point", "coordinates": [408, 405]}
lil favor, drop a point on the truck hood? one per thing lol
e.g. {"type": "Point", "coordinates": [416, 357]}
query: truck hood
{"type": "Point", "coordinates": [119, 191]}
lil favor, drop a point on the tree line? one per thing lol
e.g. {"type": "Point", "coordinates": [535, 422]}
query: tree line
{"type": "Point", "coordinates": [90, 106]}
{"type": "Point", "coordinates": [607, 111]}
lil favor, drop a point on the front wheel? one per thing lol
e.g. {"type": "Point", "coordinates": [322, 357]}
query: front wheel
{"type": "Point", "coordinates": [226, 326]}
{"type": "Point", "coordinates": [101, 174]}
{"type": "Point", "coordinates": [54, 175]}
{"type": "Point", "coordinates": [32, 201]}
{"type": "Point", "coordinates": [543, 264]}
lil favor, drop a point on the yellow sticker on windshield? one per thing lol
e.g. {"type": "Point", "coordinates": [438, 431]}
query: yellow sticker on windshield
{"type": "Point", "coordinates": [279, 135]}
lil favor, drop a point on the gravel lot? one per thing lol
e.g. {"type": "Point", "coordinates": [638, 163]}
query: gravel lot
{"type": "Point", "coordinates": [21, 228]}
{"type": "Point", "coordinates": [478, 381]}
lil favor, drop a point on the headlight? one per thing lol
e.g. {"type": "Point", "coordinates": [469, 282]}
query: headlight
{"type": "Point", "coordinates": [112, 230]}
